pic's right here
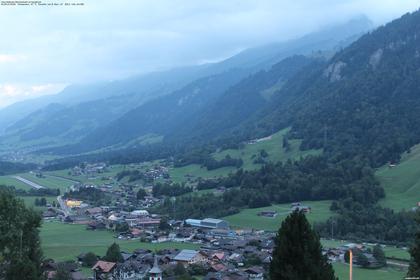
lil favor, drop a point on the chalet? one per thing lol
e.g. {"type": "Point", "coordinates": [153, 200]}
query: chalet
{"type": "Point", "coordinates": [48, 214]}
{"type": "Point", "coordinates": [93, 211]}
{"type": "Point", "coordinates": [304, 208]}
{"type": "Point", "coordinates": [269, 214]}
{"type": "Point", "coordinates": [95, 225]}
{"type": "Point", "coordinates": [255, 273]}
{"type": "Point", "coordinates": [104, 270]}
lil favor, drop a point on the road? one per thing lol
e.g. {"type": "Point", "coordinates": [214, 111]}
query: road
{"type": "Point", "coordinates": [29, 183]}
{"type": "Point", "coordinates": [63, 206]}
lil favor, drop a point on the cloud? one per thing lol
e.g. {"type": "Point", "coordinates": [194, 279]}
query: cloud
{"type": "Point", "coordinates": [11, 93]}
{"type": "Point", "coordinates": [108, 39]}
{"type": "Point", "coordinates": [7, 58]}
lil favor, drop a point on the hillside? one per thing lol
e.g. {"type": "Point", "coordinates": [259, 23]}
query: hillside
{"type": "Point", "coordinates": [178, 116]}
{"type": "Point", "coordinates": [248, 62]}
{"type": "Point", "coordinates": [250, 154]}
{"type": "Point", "coordinates": [402, 181]}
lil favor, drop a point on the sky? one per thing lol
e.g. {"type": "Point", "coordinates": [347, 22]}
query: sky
{"type": "Point", "coordinates": [45, 48]}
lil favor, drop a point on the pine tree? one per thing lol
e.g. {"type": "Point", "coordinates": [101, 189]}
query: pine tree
{"type": "Point", "coordinates": [298, 253]}
{"type": "Point", "coordinates": [19, 239]}
{"type": "Point", "coordinates": [414, 270]}
{"type": "Point", "coordinates": [113, 254]}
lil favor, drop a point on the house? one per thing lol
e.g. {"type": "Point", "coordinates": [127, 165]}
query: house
{"type": "Point", "coordinates": [304, 208]}
{"type": "Point", "coordinates": [94, 225]}
{"type": "Point", "coordinates": [268, 214]}
{"type": "Point", "coordinates": [187, 257]}
{"type": "Point", "coordinates": [140, 213]}
{"type": "Point", "coordinates": [48, 214]}
{"type": "Point", "coordinates": [255, 273]}
{"type": "Point", "coordinates": [104, 270]}
{"type": "Point", "coordinates": [93, 211]}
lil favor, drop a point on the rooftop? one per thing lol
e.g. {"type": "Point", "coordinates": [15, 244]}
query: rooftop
{"type": "Point", "coordinates": [186, 255]}
{"type": "Point", "coordinates": [104, 266]}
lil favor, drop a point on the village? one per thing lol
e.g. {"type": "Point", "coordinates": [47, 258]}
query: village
{"type": "Point", "coordinates": [222, 252]}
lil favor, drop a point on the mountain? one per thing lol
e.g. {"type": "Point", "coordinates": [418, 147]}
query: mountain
{"type": "Point", "coordinates": [158, 118]}
{"type": "Point", "coordinates": [178, 113]}
{"type": "Point", "coordinates": [80, 109]}
{"type": "Point", "coordinates": [363, 103]}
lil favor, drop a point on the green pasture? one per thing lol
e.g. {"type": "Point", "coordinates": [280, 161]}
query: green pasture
{"type": "Point", "coordinates": [66, 241]}
{"type": "Point", "coordinates": [402, 182]}
{"type": "Point", "coordinates": [248, 218]}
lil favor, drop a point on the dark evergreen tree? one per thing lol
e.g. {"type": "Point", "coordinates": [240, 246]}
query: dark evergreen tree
{"type": "Point", "coordinates": [19, 239]}
{"type": "Point", "coordinates": [297, 254]}
{"type": "Point", "coordinates": [89, 259]}
{"type": "Point", "coordinates": [113, 254]}
{"type": "Point", "coordinates": [414, 270]}
{"type": "Point", "coordinates": [141, 194]}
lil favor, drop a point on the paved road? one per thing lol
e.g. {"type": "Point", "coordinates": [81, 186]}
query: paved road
{"type": "Point", "coordinates": [63, 206]}
{"type": "Point", "coordinates": [29, 183]}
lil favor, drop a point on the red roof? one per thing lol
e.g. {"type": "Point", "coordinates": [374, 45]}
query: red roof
{"type": "Point", "coordinates": [104, 266]}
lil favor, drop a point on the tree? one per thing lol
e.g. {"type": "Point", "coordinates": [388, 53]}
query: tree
{"type": "Point", "coordinates": [20, 249]}
{"type": "Point", "coordinates": [379, 255]}
{"type": "Point", "coordinates": [62, 273]}
{"type": "Point", "coordinates": [298, 253]}
{"type": "Point", "coordinates": [141, 194]}
{"type": "Point", "coordinates": [122, 227]}
{"type": "Point", "coordinates": [414, 269]}
{"type": "Point", "coordinates": [163, 224]}
{"type": "Point", "coordinates": [113, 254]}
{"type": "Point", "coordinates": [89, 259]}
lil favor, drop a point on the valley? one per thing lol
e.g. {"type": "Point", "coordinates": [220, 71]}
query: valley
{"type": "Point", "coordinates": [295, 159]}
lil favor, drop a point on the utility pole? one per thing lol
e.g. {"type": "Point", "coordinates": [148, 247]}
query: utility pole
{"type": "Point", "coordinates": [351, 264]}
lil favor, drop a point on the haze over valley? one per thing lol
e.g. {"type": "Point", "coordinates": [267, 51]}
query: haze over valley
{"type": "Point", "coordinates": [211, 140]}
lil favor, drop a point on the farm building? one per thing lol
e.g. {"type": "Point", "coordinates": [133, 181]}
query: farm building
{"type": "Point", "coordinates": [190, 257]}
{"type": "Point", "coordinates": [208, 223]}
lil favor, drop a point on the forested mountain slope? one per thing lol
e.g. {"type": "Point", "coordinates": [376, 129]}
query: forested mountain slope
{"type": "Point", "coordinates": [206, 106]}
{"type": "Point", "coordinates": [364, 102]}
{"type": "Point", "coordinates": [119, 97]}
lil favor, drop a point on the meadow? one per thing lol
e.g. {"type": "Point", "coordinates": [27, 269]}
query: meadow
{"type": "Point", "coordinates": [10, 181]}
{"type": "Point", "coordinates": [390, 251]}
{"type": "Point", "coordinates": [402, 182]}
{"type": "Point", "coordinates": [272, 145]}
{"type": "Point", "coordinates": [248, 218]}
{"type": "Point", "coordinates": [66, 241]}
{"type": "Point", "coordinates": [387, 273]}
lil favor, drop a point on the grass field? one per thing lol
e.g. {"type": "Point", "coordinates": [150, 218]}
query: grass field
{"type": "Point", "coordinates": [10, 181]}
{"type": "Point", "coordinates": [99, 178]}
{"type": "Point", "coordinates": [402, 182]}
{"type": "Point", "coordinates": [272, 146]}
{"type": "Point", "coordinates": [390, 251]}
{"type": "Point", "coordinates": [248, 218]}
{"type": "Point", "coordinates": [30, 201]}
{"type": "Point", "coordinates": [65, 241]}
{"type": "Point", "coordinates": [342, 271]}
{"type": "Point", "coordinates": [48, 181]}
